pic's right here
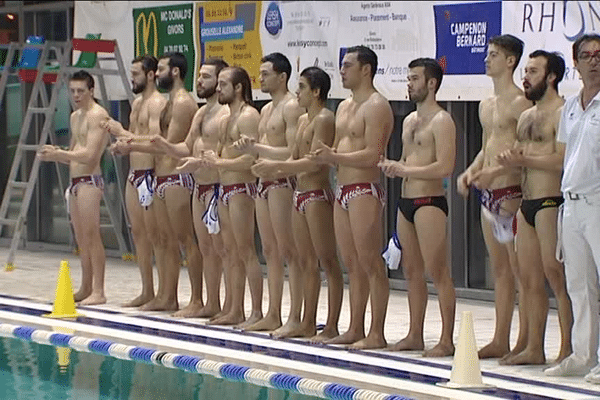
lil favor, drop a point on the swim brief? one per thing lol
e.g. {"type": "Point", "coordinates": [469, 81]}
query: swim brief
{"type": "Point", "coordinates": [227, 191]}
{"type": "Point", "coordinates": [409, 206]}
{"type": "Point", "coordinates": [265, 186]}
{"type": "Point", "coordinates": [183, 180]}
{"type": "Point", "coordinates": [529, 208]}
{"type": "Point", "coordinates": [303, 199]}
{"type": "Point", "coordinates": [345, 193]}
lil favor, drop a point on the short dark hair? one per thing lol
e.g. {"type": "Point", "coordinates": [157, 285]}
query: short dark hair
{"type": "Point", "coordinates": [149, 62]}
{"type": "Point", "coordinates": [365, 56]}
{"type": "Point", "coordinates": [83, 76]}
{"type": "Point", "coordinates": [280, 64]}
{"type": "Point", "coordinates": [317, 79]}
{"type": "Point", "coordinates": [512, 45]}
{"type": "Point", "coordinates": [178, 60]}
{"type": "Point", "coordinates": [218, 63]}
{"type": "Point", "coordinates": [432, 70]}
{"type": "Point", "coordinates": [554, 64]}
{"type": "Point", "coordinates": [588, 37]}
{"type": "Point", "coordinates": [240, 76]}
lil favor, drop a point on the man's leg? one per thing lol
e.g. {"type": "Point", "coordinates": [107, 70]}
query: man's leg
{"type": "Point", "coordinates": [77, 219]}
{"type": "Point", "coordinates": [275, 270]}
{"type": "Point", "coordinates": [311, 275]}
{"type": "Point", "coordinates": [280, 208]}
{"type": "Point", "coordinates": [178, 201]}
{"type": "Point", "coordinates": [211, 266]}
{"type": "Point", "coordinates": [430, 224]}
{"type": "Point", "coordinates": [504, 293]}
{"type": "Point", "coordinates": [235, 279]}
{"type": "Point", "coordinates": [535, 299]}
{"type": "Point", "coordinates": [143, 245]}
{"type": "Point", "coordinates": [365, 222]}
{"type": "Point", "coordinates": [241, 213]}
{"type": "Point", "coordinates": [357, 278]}
{"type": "Point", "coordinates": [545, 222]}
{"type": "Point", "coordinates": [414, 273]}
{"type": "Point", "coordinates": [167, 261]}
{"type": "Point", "coordinates": [319, 216]}
{"type": "Point", "coordinates": [88, 205]}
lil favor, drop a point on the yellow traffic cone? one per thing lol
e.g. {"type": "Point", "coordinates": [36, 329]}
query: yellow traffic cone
{"type": "Point", "coordinates": [64, 304]}
{"type": "Point", "coordinates": [466, 372]}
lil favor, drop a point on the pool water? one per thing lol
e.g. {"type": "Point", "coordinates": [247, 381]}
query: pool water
{"type": "Point", "coordinates": [29, 370]}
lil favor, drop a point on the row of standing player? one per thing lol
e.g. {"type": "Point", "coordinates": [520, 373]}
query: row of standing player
{"type": "Point", "coordinates": [228, 142]}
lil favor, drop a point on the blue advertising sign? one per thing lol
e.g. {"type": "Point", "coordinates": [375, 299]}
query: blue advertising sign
{"type": "Point", "coordinates": [462, 32]}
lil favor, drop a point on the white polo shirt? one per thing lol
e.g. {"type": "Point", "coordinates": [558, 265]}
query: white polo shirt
{"type": "Point", "coordinates": [579, 129]}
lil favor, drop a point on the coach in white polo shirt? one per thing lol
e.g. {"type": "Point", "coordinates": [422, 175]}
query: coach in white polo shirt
{"type": "Point", "coordinates": [579, 129]}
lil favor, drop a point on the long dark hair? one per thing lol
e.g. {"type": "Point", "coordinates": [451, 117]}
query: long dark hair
{"type": "Point", "coordinates": [240, 76]}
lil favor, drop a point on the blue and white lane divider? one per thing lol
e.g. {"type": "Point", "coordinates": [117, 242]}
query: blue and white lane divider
{"type": "Point", "coordinates": [233, 372]}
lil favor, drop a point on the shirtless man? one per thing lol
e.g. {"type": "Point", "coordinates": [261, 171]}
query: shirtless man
{"type": "Point", "coordinates": [277, 129]}
{"type": "Point", "coordinates": [84, 194]}
{"type": "Point", "coordinates": [312, 218]}
{"type": "Point", "coordinates": [501, 191]}
{"type": "Point", "coordinates": [172, 195]}
{"type": "Point", "coordinates": [203, 136]}
{"type": "Point", "coordinates": [364, 123]}
{"type": "Point", "coordinates": [540, 158]}
{"type": "Point", "coordinates": [144, 120]}
{"type": "Point", "coordinates": [428, 154]}
{"type": "Point", "coordinates": [237, 193]}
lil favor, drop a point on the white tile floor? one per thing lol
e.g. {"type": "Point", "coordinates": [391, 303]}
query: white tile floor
{"type": "Point", "coordinates": [36, 272]}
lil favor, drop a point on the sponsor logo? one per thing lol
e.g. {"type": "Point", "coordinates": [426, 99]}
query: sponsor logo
{"type": "Point", "coordinates": [462, 32]}
{"type": "Point", "coordinates": [143, 30]}
{"type": "Point", "coordinates": [549, 203]}
{"type": "Point", "coordinates": [572, 17]}
{"type": "Point", "coordinates": [273, 19]}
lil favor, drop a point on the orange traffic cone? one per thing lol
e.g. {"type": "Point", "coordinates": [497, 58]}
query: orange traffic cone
{"type": "Point", "coordinates": [64, 304]}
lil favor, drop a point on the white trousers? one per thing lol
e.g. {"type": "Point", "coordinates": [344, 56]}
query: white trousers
{"type": "Point", "coordinates": [581, 250]}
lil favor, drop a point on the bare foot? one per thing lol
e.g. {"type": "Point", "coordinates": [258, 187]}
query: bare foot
{"type": "Point", "coordinates": [327, 334]}
{"type": "Point", "coordinates": [268, 323]}
{"type": "Point", "coordinates": [228, 319]}
{"type": "Point", "coordinates": [290, 330]}
{"type": "Point", "coordinates": [218, 315]}
{"type": "Point", "coordinates": [139, 301]}
{"type": "Point", "coordinates": [160, 305]}
{"type": "Point", "coordinates": [346, 338]}
{"type": "Point", "coordinates": [82, 294]}
{"type": "Point", "coordinates": [93, 299]}
{"type": "Point", "coordinates": [408, 343]}
{"type": "Point", "coordinates": [369, 343]}
{"type": "Point", "coordinates": [440, 350]}
{"type": "Point", "coordinates": [191, 310]}
{"type": "Point", "coordinates": [493, 350]}
{"type": "Point", "coordinates": [253, 319]}
{"type": "Point", "coordinates": [525, 357]}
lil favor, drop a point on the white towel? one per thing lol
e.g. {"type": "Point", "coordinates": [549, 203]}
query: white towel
{"type": "Point", "coordinates": [393, 252]}
{"type": "Point", "coordinates": [145, 190]}
{"type": "Point", "coordinates": [211, 215]}
{"type": "Point", "coordinates": [502, 226]}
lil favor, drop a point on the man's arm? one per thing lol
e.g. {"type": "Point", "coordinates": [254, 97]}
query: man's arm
{"type": "Point", "coordinates": [247, 125]}
{"type": "Point", "coordinates": [444, 134]}
{"type": "Point", "coordinates": [95, 145]}
{"type": "Point", "coordinates": [379, 122]}
{"type": "Point", "coordinates": [185, 148]}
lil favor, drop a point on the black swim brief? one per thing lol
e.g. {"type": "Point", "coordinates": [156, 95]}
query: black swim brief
{"type": "Point", "coordinates": [408, 207]}
{"type": "Point", "coordinates": [529, 208]}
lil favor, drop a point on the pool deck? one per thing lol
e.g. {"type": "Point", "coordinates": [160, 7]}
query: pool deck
{"type": "Point", "coordinates": [29, 290]}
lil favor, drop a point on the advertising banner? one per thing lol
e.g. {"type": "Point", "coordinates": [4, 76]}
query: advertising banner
{"type": "Point", "coordinates": [160, 30]}
{"type": "Point", "coordinates": [316, 33]}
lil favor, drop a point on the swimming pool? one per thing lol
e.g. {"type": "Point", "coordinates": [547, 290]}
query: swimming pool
{"type": "Point", "coordinates": [29, 370]}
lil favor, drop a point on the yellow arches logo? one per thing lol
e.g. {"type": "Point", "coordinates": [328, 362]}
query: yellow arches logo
{"type": "Point", "coordinates": [145, 25]}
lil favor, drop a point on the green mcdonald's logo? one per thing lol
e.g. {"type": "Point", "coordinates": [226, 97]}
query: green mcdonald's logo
{"type": "Point", "coordinates": [145, 25]}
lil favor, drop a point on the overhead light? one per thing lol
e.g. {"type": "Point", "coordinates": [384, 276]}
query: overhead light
{"type": "Point", "coordinates": [10, 16]}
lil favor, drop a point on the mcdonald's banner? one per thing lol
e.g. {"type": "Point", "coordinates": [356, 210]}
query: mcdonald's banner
{"type": "Point", "coordinates": [160, 30]}
{"type": "Point", "coordinates": [317, 33]}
